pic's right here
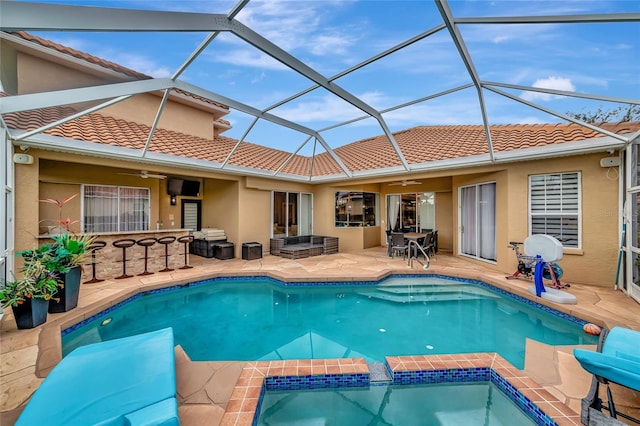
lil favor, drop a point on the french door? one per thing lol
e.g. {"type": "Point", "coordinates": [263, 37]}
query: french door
{"type": "Point", "coordinates": [477, 221]}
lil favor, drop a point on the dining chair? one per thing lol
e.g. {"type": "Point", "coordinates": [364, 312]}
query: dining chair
{"type": "Point", "coordinates": [398, 244]}
{"type": "Point", "coordinates": [428, 245]}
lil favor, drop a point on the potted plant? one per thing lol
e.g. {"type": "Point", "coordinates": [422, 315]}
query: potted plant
{"type": "Point", "coordinates": [30, 295]}
{"type": "Point", "coordinates": [64, 257]}
{"type": "Point", "coordinates": [67, 255]}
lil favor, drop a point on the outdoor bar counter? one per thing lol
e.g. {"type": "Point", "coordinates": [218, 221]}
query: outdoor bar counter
{"type": "Point", "coordinates": [108, 260]}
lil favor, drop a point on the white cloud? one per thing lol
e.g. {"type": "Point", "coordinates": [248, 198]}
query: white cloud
{"type": "Point", "coordinates": [552, 82]}
{"type": "Point", "coordinates": [323, 108]}
{"type": "Point", "coordinates": [292, 26]}
{"type": "Point", "coordinates": [249, 58]}
{"type": "Point", "coordinates": [335, 44]}
{"type": "Point", "coordinates": [141, 64]}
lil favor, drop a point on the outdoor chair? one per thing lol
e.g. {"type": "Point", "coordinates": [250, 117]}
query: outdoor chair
{"type": "Point", "coordinates": [428, 243]}
{"type": "Point", "coordinates": [398, 244]}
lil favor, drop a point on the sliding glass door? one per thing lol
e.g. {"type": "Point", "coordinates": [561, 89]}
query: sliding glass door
{"type": "Point", "coordinates": [292, 214]}
{"type": "Point", "coordinates": [411, 212]}
{"type": "Point", "coordinates": [478, 221]}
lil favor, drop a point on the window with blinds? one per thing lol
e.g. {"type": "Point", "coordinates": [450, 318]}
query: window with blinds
{"type": "Point", "coordinates": [190, 215]}
{"type": "Point", "coordinates": [115, 208]}
{"type": "Point", "coordinates": [554, 207]}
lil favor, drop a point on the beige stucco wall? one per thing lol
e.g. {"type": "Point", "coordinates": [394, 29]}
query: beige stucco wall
{"type": "Point", "coordinates": [180, 118]}
{"type": "Point", "coordinates": [37, 75]}
{"type": "Point", "coordinates": [595, 262]}
{"type": "Point", "coordinates": [445, 220]}
{"type": "Point", "coordinates": [220, 207]}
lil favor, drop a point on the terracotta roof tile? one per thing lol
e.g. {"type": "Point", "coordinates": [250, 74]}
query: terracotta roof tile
{"type": "Point", "coordinates": [430, 143]}
{"type": "Point", "coordinates": [419, 144]}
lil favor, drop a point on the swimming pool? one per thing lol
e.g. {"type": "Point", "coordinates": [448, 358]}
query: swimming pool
{"type": "Point", "coordinates": [437, 404]}
{"type": "Point", "coordinates": [260, 318]}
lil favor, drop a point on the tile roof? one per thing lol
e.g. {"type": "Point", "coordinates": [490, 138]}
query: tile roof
{"type": "Point", "coordinates": [419, 144]}
{"type": "Point", "coordinates": [430, 143]}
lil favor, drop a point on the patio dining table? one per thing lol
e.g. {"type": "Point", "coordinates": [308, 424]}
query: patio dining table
{"type": "Point", "coordinates": [414, 236]}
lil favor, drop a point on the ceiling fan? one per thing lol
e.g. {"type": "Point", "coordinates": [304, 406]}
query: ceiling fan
{"type": "Point", "coordinates": [145, 175]}
{"type": "Point", "coordinates": [405, 183]}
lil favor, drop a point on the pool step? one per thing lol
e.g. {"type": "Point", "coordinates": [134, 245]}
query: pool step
{"type": "Point", "coordinates": [404, 298]}
{"type": "Point", "coordinates": [378, 373]}
{"type": "Point", "coordinates": [428, 293]}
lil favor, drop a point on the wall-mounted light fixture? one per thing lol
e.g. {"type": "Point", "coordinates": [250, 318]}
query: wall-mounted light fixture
{"type": "Point", "coordinates": [173, 200]}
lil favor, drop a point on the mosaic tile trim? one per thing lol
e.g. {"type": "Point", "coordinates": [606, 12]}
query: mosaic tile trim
{"type": "Point", "coordinates": [323, 381]}
{"type": "Point", "coordinates": [457, 375]}
{"type": "Point", "coordinates": [524, 403]}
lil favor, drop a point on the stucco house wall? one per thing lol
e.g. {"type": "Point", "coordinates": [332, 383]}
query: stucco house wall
{"type": "Point", "coordinates": [40, 75]}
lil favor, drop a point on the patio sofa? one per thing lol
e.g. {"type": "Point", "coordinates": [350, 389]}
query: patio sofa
{"type": "Point", "coordinates": [303, 246]}
{"type": "Point", "coordinates": [122, 382]}
{"type": "Point", "coordinates": [206, 241]}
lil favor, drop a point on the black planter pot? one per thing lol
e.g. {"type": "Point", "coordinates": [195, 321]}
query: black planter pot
{"type": "Point", "coordinates": [31, 313]}
{"type": "Point", "coordinates": [68, 295]}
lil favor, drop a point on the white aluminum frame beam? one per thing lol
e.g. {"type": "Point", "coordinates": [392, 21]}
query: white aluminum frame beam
{"type": "Point", "coordinates": [9, 104]}
{"type": "Point", "coordinates": [458, 40]}
{"type": "Point", "coordinates": [552, 19]}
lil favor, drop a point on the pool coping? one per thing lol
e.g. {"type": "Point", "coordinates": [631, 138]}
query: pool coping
{"type": "Point", "coordinates": [244, 404]}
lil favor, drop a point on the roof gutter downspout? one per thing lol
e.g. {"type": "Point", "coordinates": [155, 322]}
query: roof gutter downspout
{"type": "Point", "coordinates": [449, 21]}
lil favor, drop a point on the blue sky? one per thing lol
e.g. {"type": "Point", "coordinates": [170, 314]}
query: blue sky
{"type": "Point", "coordinates": [331, 36]}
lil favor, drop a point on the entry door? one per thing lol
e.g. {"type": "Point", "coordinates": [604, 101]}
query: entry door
{"type": "Point", "coordinates": [191, 215]}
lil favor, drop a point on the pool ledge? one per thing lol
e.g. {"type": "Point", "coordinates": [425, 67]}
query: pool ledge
{"type": "Point", "coordinates": [243, 407]}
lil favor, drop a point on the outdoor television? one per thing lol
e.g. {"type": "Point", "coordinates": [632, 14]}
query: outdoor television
{"type": "Point", "coordinates": [174, 186]}
{"type": "Point", "coordinates": [190, 188]}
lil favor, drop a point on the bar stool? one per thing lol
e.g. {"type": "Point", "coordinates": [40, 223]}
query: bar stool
{"type": "Point", "coordinates": [166, 241]}
{"type": "Point", "coordinates": [124, 244]}
{"type": "Point", "coordinates": [146, 243]}
{"type": "Point", "coordinates": [186, 239]}
{"type": "Point", "coordinates": [93, 248]}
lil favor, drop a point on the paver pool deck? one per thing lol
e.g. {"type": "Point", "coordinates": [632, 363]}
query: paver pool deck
{"type": "Point", "coordinates": [213, 393]}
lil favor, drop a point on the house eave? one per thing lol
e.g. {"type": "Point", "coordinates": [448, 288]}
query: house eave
{"type": "Point", "coordinates": [55, 143]}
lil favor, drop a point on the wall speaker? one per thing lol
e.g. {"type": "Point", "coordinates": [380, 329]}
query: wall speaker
{"type": "Point", "coordinates": [610, 162]}
{"type": "Point", "coordinates": [22, 159]}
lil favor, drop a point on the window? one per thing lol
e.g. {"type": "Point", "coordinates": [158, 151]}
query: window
{"type": "Point", "coordinates": [356, 209]}
{"type": "Point", "coordinates": [115, 209]}
{"type": "Point", "coordinates": [554, 207]}
{"type": "Point", "coordinates": [478, 221]}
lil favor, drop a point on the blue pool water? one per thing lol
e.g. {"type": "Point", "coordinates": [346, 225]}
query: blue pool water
{"type": "Point", "coordinates": [452, 404]}
{"type": "Point", "coordinates": [261, 319]}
